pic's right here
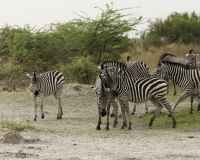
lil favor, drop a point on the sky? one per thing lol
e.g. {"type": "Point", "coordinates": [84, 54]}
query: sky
{"type": "Point", "coordinates": [38, 13]}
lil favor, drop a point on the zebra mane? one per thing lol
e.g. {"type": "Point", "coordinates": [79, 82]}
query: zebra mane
{"type": "Point", "coordinates": [173, 63]}
{"type": "Point", "coordinates": [114, 64]}
{"type": "Point", "coordinates": [163, 56]}
{"type": "Point", "coordinates": [166, 54]}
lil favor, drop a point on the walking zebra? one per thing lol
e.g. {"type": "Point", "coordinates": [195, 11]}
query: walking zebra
{"type": "Point", "coordinates": [138, 70]}
{"type": "Point", "coordinates": [189, 62]}
{"type": "Point", "coordinates": [187, 80]}
{"type": "Point", "coordinates": [119, 82]}
{"type": "Point", "coordinates": [46, 84]}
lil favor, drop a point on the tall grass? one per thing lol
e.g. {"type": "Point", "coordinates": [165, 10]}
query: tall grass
{"type": "Point", "coordinates": [151, 56]}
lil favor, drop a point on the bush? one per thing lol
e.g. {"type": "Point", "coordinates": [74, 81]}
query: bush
{"type": "Point", "coordinates": [82, 70]}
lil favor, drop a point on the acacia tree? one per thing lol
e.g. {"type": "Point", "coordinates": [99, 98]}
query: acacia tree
{"type": "Point", "coordinates": [81, 42]}
{"type": "Point", "coordinates": [102, 38]}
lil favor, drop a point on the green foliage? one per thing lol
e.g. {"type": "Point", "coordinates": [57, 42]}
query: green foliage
{"type": "Point", "coordinates": [103, 38]}
{"type": "Point", "coordinates": [14, 126]}
{"type": "Point", "coordinates": [185, 120]}
{"type": "Point", "coordinates": [82, 70]}
{"type": "Point", "coordinates": [177, 28]}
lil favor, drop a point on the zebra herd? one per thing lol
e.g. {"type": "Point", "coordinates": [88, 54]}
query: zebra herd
{"type": "Point", "coordinates": [118, 81]}
{"type": "Point", "coordinates": [128, 83]}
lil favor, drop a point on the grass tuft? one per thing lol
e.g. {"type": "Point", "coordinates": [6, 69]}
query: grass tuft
{"type": "Point", "coordinates": [17, 126]}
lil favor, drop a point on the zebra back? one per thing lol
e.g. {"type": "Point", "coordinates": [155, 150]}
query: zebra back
{"type": "Point", "coordinates": [135, 91]}
{"type": "Point", "coordinates": [46, 83]}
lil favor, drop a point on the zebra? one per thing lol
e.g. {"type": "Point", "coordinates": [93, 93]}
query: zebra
{"type": "Point", "coordinates": [99, 90]}
{"type": "Point", "coordinates": [189, 62]}
{"type": "Point", "coordinates": [138, 70]}
{"type": "Point", "coordinates": [46, 84]}
{"type": "Point", "coordinates": [187, 80]}
{"type": "Point", "coordinates": [119, 82]}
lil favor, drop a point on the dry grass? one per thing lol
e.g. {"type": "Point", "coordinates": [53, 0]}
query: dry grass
{"type": "Point", "coordinates": [151, 56]}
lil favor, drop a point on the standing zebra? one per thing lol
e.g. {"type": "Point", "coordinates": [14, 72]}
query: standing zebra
{"type": "Point", "coordinates": [187, 80]}
{"type": "Point", "coordinates": [119, 82]}
{"type": "Point", "coordinates": [46, 84]}
{"type": "Point", "coordinates": [138, 70]}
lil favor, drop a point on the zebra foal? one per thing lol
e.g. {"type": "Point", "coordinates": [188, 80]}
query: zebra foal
{"type": "Point", "coordinates": [46, 84]}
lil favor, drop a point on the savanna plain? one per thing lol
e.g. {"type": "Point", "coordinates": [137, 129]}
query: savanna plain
{"type": "Point", "coordinates": [75, 137]}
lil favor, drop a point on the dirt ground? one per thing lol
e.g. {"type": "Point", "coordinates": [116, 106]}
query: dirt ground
{"type": "Point", "coordinates": [75, 136]}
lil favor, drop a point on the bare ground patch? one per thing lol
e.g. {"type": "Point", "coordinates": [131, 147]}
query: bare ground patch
{"type": "Point", "coordinates": [75, 136]}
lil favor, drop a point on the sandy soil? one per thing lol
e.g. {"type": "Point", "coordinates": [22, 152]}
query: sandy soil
{"type": "Point", "coordinates": [75, 136]}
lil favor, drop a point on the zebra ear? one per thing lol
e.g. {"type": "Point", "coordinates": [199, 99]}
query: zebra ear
{"type": "Point", "coordinates": [128, 59]}
{"type": "Point", "coordinates": [99, 68]}
{"type": "Point", "coordinates": [34, 73]}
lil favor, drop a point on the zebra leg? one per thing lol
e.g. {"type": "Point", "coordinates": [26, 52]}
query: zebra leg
{"type": "Point", "coordinates": [99, 120]}
{"type": "Point", "coordinates": [164, 102]}
{"type": "Point", "coordinates": [126, 105]}
{"type": "Point", "coordinates": [183, 96]}
{"type": "Point", "coordinates": [41, 106]}
{"type": "Point", "coordinates": [139, 113]}
{"type": "Point", "coordinates": [174, 85]}
{"type": "Point", "coordinates": [108, 115]}
{"type": "Point", "coordinates": [124, 124]}
{"type": "Point", "coordinates": [191, 104]}
{"type": "Point", "coordinates": [113, 112]}
{"type": "Point", "coordinates": [159, 108]}
{"type": "Point", "coordinates": [115, 108]}
{"type": "Point", "coordinates": [134, 109]}
{"type": "Point", "coordinates": [35, 106]}
{"type": "Point", "coordinates": [60, 111]}
{"type": "Point", "coordinates": [146, 107]}
{"type": "Point", "coordinates": [198, 100]}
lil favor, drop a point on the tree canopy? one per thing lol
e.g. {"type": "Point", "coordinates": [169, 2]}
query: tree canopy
{"type": "Point", "coordinates": [81, 40]}
{"type": "Point", "coordinates": [182, 28]}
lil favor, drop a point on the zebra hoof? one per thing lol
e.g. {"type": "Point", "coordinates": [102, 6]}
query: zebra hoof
{"type": "Point", "coordinates": [42, 117]}
{"type": "Point", "coordinates": [35, 119]}
{"type": "Point", "coordinates": [98, 128]}
{"type": "Point", "coordinates": [132, 113]}
{"type": "Point", "coordinates": [112, 115]}
{"type": "Point", "coordinates": [107, 128]}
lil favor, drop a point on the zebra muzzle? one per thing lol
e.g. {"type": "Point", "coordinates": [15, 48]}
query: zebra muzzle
{"type": "Point", "coordinates": [103, 112]}
{"type": "Point", "coordinates": [36, 93]}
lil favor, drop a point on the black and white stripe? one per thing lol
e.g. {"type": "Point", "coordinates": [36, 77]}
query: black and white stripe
{"type": "Point", "coordinates": [126, 89]}
{"type": "Point", "coordinates": [138, 69]}
{"type": "Point", "coordinates": [46, 84]}
{"type": "Point", "coordinates": [187, 80]}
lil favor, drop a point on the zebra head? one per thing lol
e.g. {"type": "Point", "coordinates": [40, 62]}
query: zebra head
{"type": "Point", "coordinates": [35, 83]}
{"type": "Point", "coordinates": [110, 78]}
{"type": "Point", "coordinates": [191, 60]}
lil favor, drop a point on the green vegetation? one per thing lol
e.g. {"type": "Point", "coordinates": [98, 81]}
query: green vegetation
{"type": "Point", "coordinates": [18, 126]}
{"type": "Point", "coordinates": [185, 120]}
{"type": "Point", "coordinates": [182, 28]}
{"type": "Point", "coordinates": [80, 42]}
